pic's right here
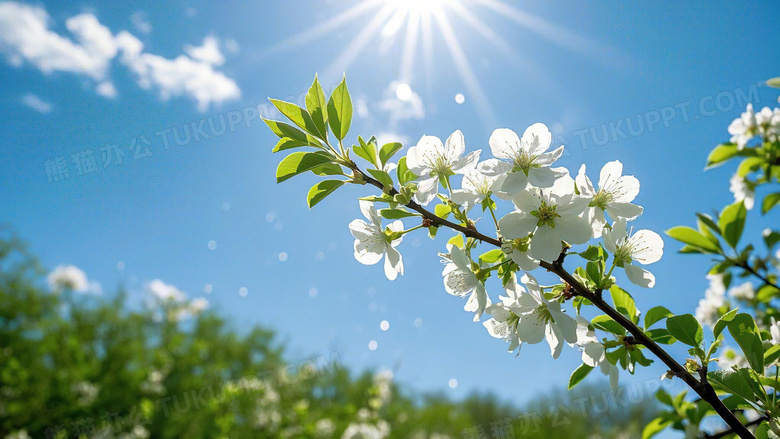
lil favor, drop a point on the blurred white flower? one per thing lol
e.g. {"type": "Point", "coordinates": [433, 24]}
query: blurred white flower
{"type": "Point", "coordinates": [198, 305]}
{"type": "Point", "coordinates": [743, 292]}
{"type": "Point", "coordinates": [86, 392]}
{"type": "Point", "coordinates": [708, 311]}
{"type": "Point", "coordinates": [743, 190]}
{"type": "Point", "coordinates": [165, 292]}
{"type": "Point", "coordinates": [730, 359]}
{"type": "Point", "coordinates": [324, 428]}
{"type": "Point", "coordinates": [367, 431]}
{"type": "Point", "coordinates": [68, 277]}
{"type": "Point", "coordinates": [743, 128]}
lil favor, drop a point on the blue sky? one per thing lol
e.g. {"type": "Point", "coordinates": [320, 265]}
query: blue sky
{"type": "Point", "coordinates": [78, 76]}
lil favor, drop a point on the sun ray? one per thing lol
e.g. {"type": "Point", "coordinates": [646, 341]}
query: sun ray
{"type": "Point", "coordinates": [528, 67]}
{"type": "Point", "coordinates": [321, 30]}
{"type": "Point", "coordinates": [558, 35]}
{"type": "Point", "coordinates": [410, 47]}
{"type": "Point", "coordinates": [359, 42]}
{"type": "Point", "coordinates": [427, 44]}
{"type": "Point", "coordinates": [464, 69]}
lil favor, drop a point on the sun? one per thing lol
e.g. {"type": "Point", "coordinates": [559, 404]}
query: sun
{"type": "Point", "coordinates": [414, 23]}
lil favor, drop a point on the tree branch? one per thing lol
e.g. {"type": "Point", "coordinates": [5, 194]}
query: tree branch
{"type": "Point", "coordinates": [704, 390]}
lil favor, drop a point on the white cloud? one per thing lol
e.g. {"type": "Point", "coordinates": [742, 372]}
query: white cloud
{"type": "Point", "coordinates": [141, 22]}
{"type": "Point", "coordinates": [36, 103]}
{"type": "Point", "coordinates": [208, 53]}
{"type": "Point", "coordinates": [386, 137]}
{"type": "Point", "coordinates": [106, 89]}
{"type": "Point", "coordinates": [182, 75]}
{"type": "Point", "coordinates": [25, 38]}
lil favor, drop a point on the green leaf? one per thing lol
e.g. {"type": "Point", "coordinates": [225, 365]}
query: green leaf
{"type": "Point", "coordinates": [367, 151]}
{"type": "Point", "coordinates": [720, 154]}
{"type": "Point", "coordinates": [769, 202]}
{"type": "Point", "coordinates": [734, 382]}
{"type": "Point", "coordinates": [655, 426]}
{"type": "Point", "coordinates": [772, 354]}
{"type": "Point", "coordinates": [686, 329]}
{"type": "Point", "coordinates": [298, 116]}
{"type": "Point", "coordinates": [340, 110]}
{"type": "Point", "coordinates": [442, 210]}
{"type": "Point", "coordinates": [709, 222]}
{"type": "Point", "coordinates": [388, 150]}
{"type": "Point", "coordinates": [319, 191]}
{"type": "Point", "coordinates": [578, 375]}
{"type": "Point", "coordinates": [288, 143]}
{"type": "Point", "coordinates": [401, 170]}
{"type": "Point", "coordinates": [605, 323]}
{"type": "Point", "coordinates": [745, 332]}
{"type": "Point", "coordinates": [664, 397]}
{"type": "Point", "coordinates": [723, 321]}
{"type": "Point", "coordinates": [624, 303]}
{"type": "Point", "coordinates": [593, 253]}
{"type": "Point", "coordinates": [766, 293]}
{"type": "Point", "coordinates": [732, 222]}
{"type": "Point", "coordinates": [771, 238]}
{"type": "Point", "coordinates": [749, 165]}
{"type": "Point", "coordinates": [394, 214]}
{"type": "Point", "coordinates": [762, 432]}
{"type": "Point", "coordinates": [299, 162]}
{"type": "Point", "coordinates": [328, 169]}
{"type": "Point", "coordinates": [774, 82]}
{"type": "Point", "coordinates": [457, 241]}
{"type": "Point", "coordinates": [492, 256]}
{"type": "Point", "coordinates": [692, 237]}
{"type": "Point", "coordinates": [594, 272]}
{"type": "Point", "coordinates": [381, 176]}
{"type": "Point", "coordinates": [661, 335]}
{"type": "Point", "coordinates": [656, 314]}
{"type": "Point", "coordinates": [282, 129]}
{"type": "Point", "coordinates": [317, 106]}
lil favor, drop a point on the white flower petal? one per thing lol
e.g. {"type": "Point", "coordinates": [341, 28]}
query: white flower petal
{"type": "Point", "coordinates": [537, 139]}
{"type": "Point", "coordinates": [554, 339]}
{"type": "Point", "coordinates": [629, 189]}
{"type": "Point", "coordinates": [530, 329]}
{"type": "Point", "coordinates": [543, 177]}
{"type": "Point", "coordinates": [427, 190]}
{"type": "Point", "coordinates": [639, 276]}
{"type": "Point", "coordinates": [393, 263]}
{"type": "Point", "coordinates": [455, 146]}
{"type": "Point", "coordinates": [504, 143]}
{"type": "Point", "coordinates": [546, 244]}
{"type": "Point", "coordinates": [648, 246]}
{"type": "Point", "coordinates": [624, 210]}
{"type": "Point", "coordinates": [574, 229]}
{"type": "Point", "coordinates": [610, 173]}
{"type": "Point", "coordinates": [514, 182]}
{"type": "Point", "coordinates": [584, 184]}
{"type": "Point", "coordinates": [517, 224]}
{"type": "Point", "coordinates": [549, 158]}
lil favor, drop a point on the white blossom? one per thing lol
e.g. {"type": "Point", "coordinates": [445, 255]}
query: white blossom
{"type": "Point", "coordinates": [594, 354]}
{"type": "Point", "coordinates": [743, 292]}
{"type": "Point", "coordinates": [503, 321]}
{"type": "Point", "coordinates": [743, 128]}
{"type": "Point", "coordinates": [430, 160]}
{"type": "Point", "coordinates": [614, 195]}
{"type": "Point", "coordinates": [730, 359]}
{"type": "Point", "coordinates": [372, 243]}
{"type": "Point", "coordinates": [708, 311]}
{"type": "Point", "coordinates": [774, 330]}
{"type": "Point", "coordinates": [743, 190]}
{"type": "Point", "coordinates": [475, 187]}
{"type": "Point", "coordinates": [520, 162]}
{"type": "Point", "coordinates": [644, 246]}
{"type": "Point", "coordinates": [552, 215]}
{"type": "Point", "coordinates": [532, 318]}
{"type": "Point", "coordinates": [460, 280]}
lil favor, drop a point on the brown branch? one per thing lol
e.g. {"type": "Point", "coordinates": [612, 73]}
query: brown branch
{"type": "Point", "coordinates": [745, 266]}
{"type": "Point", "coordinates": [704, 390]}
{"type": "Point", "coordinates": [730, 431]}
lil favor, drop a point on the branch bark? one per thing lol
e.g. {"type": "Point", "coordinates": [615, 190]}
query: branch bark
{"type": "Point", "coordinates": [703, 389]}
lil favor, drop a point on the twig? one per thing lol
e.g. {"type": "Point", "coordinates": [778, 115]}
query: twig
{"type": "Point", "coordinates": [704, 390]}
